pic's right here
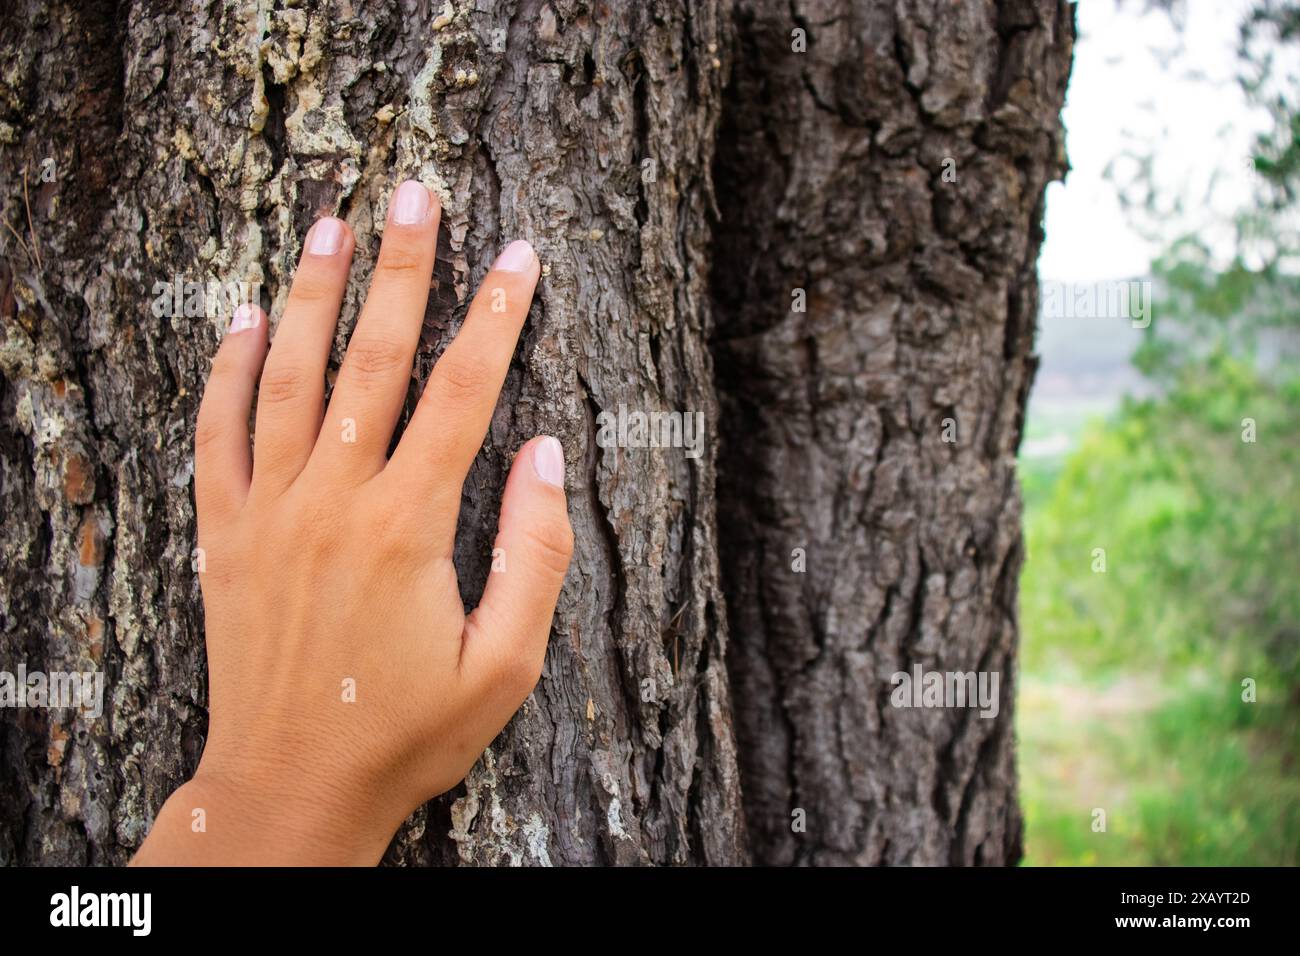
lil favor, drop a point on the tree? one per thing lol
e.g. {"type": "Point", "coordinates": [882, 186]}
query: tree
{"type": "Point", "coordinates": [682, 168]}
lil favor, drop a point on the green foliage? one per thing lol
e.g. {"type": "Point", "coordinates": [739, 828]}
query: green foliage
{"type": "Point", "coordinates": [1198, 528]}
{"type": "Point", "coordinates": [1132, 696]}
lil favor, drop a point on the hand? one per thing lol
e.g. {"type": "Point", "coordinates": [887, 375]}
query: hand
{"type": "Point", "coordinates": [347, 685]}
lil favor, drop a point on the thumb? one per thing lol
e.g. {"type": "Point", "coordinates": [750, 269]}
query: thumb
{"type": "Point", "coordinates": [506, 635]}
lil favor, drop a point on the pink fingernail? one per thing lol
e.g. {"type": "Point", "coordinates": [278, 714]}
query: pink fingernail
{"type": "Point", "coordinates": [410, 203]}
{"type": "Point", "coordinates": [246, 317]}
{"type": "Point", "coordinates": [326, 237]}
{"type": "Point", "coordinates": [516, 257]}
{"type": "Point", "coordinates": [548, 461]}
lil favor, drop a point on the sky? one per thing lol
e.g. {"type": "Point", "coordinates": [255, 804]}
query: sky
{"type": "Point", "coordinates": [1141, 87]}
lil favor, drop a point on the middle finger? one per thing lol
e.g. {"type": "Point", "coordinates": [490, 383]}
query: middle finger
{"type": "Point", "coordinates": [376, 370]}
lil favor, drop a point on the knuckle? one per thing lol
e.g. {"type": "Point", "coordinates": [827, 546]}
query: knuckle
{"type": "Point", "coordinates": [280, 384]}
{"type": "Point", "coordinates": [461, 379]}
{"type": "Point", "coordinates": [550, 544]}
{"type": "Point", "coordinates": [399, 261]}
{"type": "Point", "coordinates": [310, 288]}
{"type": "Point", "coordinates": [371, 358]}
{"type": "Point", "coordinates": [523, 667]}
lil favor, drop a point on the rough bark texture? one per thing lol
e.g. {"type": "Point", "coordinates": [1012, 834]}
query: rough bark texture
{"type": "Point", "coordinates": [877, 430]}
{"type": "Point", "coordinates": [144, 141]}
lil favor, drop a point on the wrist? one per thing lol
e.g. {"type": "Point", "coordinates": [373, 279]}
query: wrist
{"type": "Point", "coordinates": [220, 819]}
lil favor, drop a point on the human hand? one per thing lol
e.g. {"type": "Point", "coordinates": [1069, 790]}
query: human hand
{"type": "Point", "coordinates": [347, 685]}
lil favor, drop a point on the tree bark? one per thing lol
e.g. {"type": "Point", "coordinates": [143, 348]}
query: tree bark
{"type": "Point", "coordinates": [892, 176]}
{"type": "Point", "coordinates": [679, 170]}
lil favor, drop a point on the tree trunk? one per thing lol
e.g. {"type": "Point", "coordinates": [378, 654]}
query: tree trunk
{"type": "Point", "coordinates": [890, 181]}
{"type": "Point", "coordinates": [150, 145]}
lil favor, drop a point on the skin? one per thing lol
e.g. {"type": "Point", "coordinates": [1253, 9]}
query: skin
{"type": "Point", "coordinates": [327, 564]}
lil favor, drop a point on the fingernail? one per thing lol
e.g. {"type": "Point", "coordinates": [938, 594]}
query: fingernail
{"type": "Point", "coordinates": [410, 203]}
{"type": "Point", "coordinates": [246, 317]}
{"type": "Point", "coordinates": [326, 237]}
{"type": "Point", "coordinates": [548, 461]}
{"type": "Point", "coordinates": [516, 257]}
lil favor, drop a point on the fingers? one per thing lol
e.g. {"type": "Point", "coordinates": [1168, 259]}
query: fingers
{"type": "Point", "coordinates": [291, 396]}
{"type": "Point", "coordinates": [453, 415]}
{"type": "Point", "coordinates": [376, 370]}
{"type": "Point", "coordinates": [505, 637]}
{"type": "Point", "coordinates": [222, 459]}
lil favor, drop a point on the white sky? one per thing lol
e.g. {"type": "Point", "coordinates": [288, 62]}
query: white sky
{"type": "Point", "coordinates": [1189, 114]}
